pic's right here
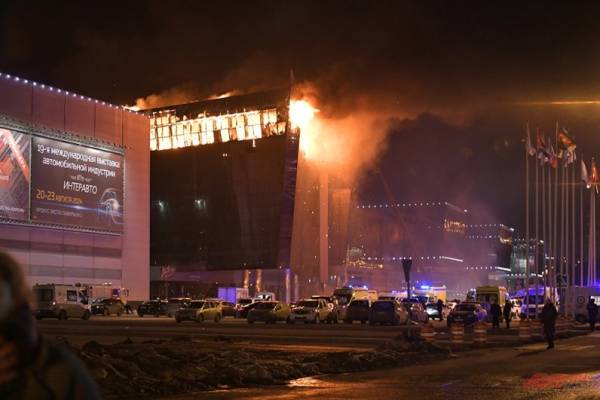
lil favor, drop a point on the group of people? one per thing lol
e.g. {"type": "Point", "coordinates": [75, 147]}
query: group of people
{"type": "Point", "coordinates": [548, 317]}
{"type": "Point", "coordinates": [496, 310]}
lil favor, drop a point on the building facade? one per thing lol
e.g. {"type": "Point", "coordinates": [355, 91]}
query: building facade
{"type": "Point", "coordinates": [223, 185]}
{"type": "Point", "coordinates": [74, 187]}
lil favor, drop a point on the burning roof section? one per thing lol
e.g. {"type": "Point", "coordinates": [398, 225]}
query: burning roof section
{"type": "Point", "coordinates": [245, 117]}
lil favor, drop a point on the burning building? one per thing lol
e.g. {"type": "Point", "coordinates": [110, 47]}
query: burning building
{"type": "Point", "coordinates": [240, 197]}
{"type": "Point", "coordinates": [222, 193]}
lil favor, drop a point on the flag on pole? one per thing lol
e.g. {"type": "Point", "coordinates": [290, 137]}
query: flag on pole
{"type": "Point", "coordinates": [566, 140]}
{"type": "Point", "coordinates": [552, 156]}
{"type": "Point", "coordinates": [594, 176]}
{"type": "Point", "coordinates": [542, 151]}
{"type": "Point", "coordinates": [568, 145]}
{"type": "Point", "coordinates": [584, 175]}
{"type": "Point", "coordinates": [530, 149]}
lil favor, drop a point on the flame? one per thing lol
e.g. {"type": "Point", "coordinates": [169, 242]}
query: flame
{"type": "Point", "coordinates": [132, 108]}
{"type": "Point", "coordinates": [225, 95]}
{"type": "Point", "coordinates": [301, 113]}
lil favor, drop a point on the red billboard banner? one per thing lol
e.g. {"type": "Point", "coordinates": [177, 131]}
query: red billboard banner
{"type": "Point", "coordinates": [14, 175]}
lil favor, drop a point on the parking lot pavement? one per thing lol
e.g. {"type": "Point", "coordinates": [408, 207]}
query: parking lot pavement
{"type": "Point", "coordinates": [113, 329]}
{"type": "Point", "coordinates": [568, 372]}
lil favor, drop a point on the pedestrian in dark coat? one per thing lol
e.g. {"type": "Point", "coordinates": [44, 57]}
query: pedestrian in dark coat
{"type": "Point", "coordinates": [495, 310]}
{"type": "Point", "coordinates": [31, 368]}
{"type": "Point", "coordinates": [507, 313]}
{"type": "Point", "coordinates": [592, 310]}
{"type": "Point", "coordinates": [440, 309]}
{"type": "Point", "coordinates": [549, 314]}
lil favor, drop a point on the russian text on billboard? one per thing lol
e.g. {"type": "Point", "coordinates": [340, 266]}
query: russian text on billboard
{"type": "Point", "coordinates": [75, 185]}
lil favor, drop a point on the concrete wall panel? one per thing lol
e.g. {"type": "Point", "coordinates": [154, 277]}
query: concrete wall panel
{"type": "Point", "coordinates": [15, 99]}
{"type": "Point", "coordinates": [109, 124]}
{"type": "Point", "coordinates": [79, 117]}
{"type": "Point", "coordinates": [48, 108]}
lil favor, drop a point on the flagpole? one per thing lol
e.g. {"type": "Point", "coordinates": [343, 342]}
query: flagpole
{"type": "Point", "coordinates": [591, 240]}
{"type": "Point", "coordinates": [565, 259]}
{"type": "Point", "coordinates": [548, 281]}
{"type": "Point", "coordinates": [537, 233]}
{"type": "Point", "coordinates": [569, 239]}
{"type": "Point", "coordinates": [593, 229]}
{"type": "Point", "coordinates": [581, 226]}
{"type": "Point", "coordinates": [544, 235]}
{"type": "Point", "coordinates": [589, 263]}
{"type": "Point", "coordinates": [555, 267]}
{"type": "Point", "coordinates": [526, 282]}
{"type": "Point", "coordinates": [562, 230]}
{"type": "Point", "coordinates": [573, 256]}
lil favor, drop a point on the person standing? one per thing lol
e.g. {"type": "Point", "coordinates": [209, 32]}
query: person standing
{"type": "Point", "coordinates": [440, 309]}
{"type": "Point", "coordinates": [592, 309]}
{"type": "Point", "coordinates": [30, 367]}
{"type": "Point", "coordinates": [495, 310]}
{"type": "Point", "coordinates": [549, 314]}
{"type": "Point", "coordinates": [507, 313]}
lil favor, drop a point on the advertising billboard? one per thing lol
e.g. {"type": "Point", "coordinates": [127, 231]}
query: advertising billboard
{"type": "Point", "coordinates": [14, 175]}
{"type": "Point", "coordinates": [76, 186]}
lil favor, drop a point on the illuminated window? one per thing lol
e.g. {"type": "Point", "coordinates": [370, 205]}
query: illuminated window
{"type": "Point", "coordinates": [195, 134]}
{"type": "Point", "coordinates": [170, 131]}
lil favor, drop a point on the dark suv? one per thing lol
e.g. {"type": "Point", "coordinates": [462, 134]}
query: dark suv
{"type": "Point", "coordinates": [107, 307]}
{"type": "Point", "coordinates": [152, 307]}
{"type": "Point", "coordinates": [463, 313]}
{"type": "Point", "coordinates": [358, 310]}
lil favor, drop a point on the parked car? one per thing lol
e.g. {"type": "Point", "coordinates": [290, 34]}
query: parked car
{"type": "Point", "coordinates": [310, 310]}
{"type": "Point", "coordinates": [464, 313]}
{"type": "Point", "coordinates": [332, 304]}
{"type": "Point", "coordinates": [415, 309]}
{"type": "Point", "coordinates": [227, 309]}
{"type": "Point", "coordinates": [357, 310]}
{"type": "Point", "coordinates": [243, 312]}
{"type": "Point", "coordinates": [432, 310]}
{"type": "Point", "coordinates": [107, 307]}
{"type": "Point", "coordinates": [241, 303]}
{"type": "Point", "coordinates": [387, 312]}
{"type": "Point", "coordinates": [152, 307]}
{"type": "Point", "coordinates": [175, 303]}
{"type": "Point", "coordinates": [269, 312]}
{"type": "Point", "coordinates": [199, 311]}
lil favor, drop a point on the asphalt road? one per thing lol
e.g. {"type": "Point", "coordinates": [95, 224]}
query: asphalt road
{"type": "Point", "coordinates": [571, 371]}
{"type": "Point", "coordinates": [115, 329]}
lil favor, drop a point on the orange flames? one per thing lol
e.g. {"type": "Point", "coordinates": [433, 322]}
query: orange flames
{"type": "Point", "coordinates": [302, 116]}
{"type": "Point", "coordinates": [301, 113]}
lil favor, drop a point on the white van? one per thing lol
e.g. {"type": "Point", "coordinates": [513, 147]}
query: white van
{"type": "Point", "coordinates": [60, 301]}
{"type": "Point", "coordinates": [577, 301]}
{"type": "Point", "coordinates": [264, 296]}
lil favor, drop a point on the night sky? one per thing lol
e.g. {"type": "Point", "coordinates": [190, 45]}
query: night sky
{"type": "Point", "coordinates": [452, 80]}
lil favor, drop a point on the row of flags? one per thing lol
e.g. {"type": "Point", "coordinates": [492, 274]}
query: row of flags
{"type": "Point", "coordinates": [544, 151]}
